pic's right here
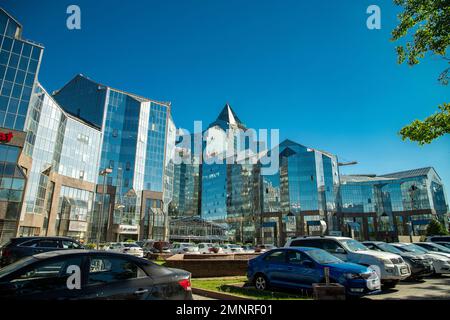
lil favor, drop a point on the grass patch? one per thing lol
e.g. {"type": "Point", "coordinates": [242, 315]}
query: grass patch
{"type": "Point", "coordinates": [224, 285]}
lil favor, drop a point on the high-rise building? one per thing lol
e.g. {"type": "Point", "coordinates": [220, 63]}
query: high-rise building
{"type": "Point", "coordinates": [138, 145]}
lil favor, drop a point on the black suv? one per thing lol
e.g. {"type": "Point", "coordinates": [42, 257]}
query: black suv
{"type": "Point", "coordinates": [18, 248]}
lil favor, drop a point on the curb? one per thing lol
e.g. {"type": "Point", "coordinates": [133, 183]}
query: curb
{"type": "Point", "coordinates": [216, 295]}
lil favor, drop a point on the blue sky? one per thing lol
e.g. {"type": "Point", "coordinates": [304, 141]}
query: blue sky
{"type": "Point", "coordinates": [311, 69]}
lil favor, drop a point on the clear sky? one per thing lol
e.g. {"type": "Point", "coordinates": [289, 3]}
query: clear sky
{"type": "Point", "coordinates": [310, 68]}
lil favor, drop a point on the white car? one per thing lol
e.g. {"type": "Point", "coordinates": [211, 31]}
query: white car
{"type": "Point", "coordinates": [184, 248]}
{"type": "Point", "coordinates": [232, 248]}
{"type": "Point", "coordinates": [126, 247]}
{"type": "Point", "coordinates": [441, 263]}
{"type": "Point", "coordinates": [390, 267]}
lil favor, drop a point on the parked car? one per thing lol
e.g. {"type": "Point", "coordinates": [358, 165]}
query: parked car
{"type": "Point", "coordinates": [437, 239]}
{"type": "Point", "coordinates": [260, 248]}
{"type": "Point", "coordinates": [184, 248]}
{"type": "Point", "coordinates": [434, 248]}
{"type": "Point", "coordinates": [445, 244]}
{"type": "Point", "coordinates": [248, 249]}
{"type": "Point", "coordinates": [205, 248]}
{"type": "Point", "coordinates": [441, 264]}
{"type": "Point", "coordinates": [161, 247]}
{"type": "Point", "coordinates": [391, 267]}
{"type": "Point", "coordinates": [18, 248]}
{"type": "Point", "coordinates": [300, 267]}
{"type": "Point", "coordinates": [232, 248]}
{"type": "Point", "coordinates": [104, 275]}
{"type": "Point", "coordinates": [420, 265]}
{"type": "Point", "coordinates": [126, 247]}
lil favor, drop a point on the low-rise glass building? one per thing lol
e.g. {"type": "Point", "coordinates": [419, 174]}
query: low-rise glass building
{"type": "Point", "coordinates": [391, 205]}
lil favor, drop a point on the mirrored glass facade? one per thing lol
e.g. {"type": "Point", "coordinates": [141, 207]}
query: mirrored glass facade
{"type": "Point", "coordinates": [19, 65]}
{"type": "Point", "coordinates": [137, 147]}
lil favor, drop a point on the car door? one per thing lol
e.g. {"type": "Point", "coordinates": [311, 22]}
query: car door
{"type": "Point", "coordinates": [116, 278]}
{"type": "Point", "coordinates": [46, 279]}
{"type": "Point", "coordinates": [301, 269]}
{"type": "Point", "coordinates": [275, 267]}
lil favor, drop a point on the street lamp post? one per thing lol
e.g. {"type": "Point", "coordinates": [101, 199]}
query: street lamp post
{"type": "Point", "coordinates": [103, 173]}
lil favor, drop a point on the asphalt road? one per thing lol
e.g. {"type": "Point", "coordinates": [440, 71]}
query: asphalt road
{"type": "Point", "coordinates": [431, 288]}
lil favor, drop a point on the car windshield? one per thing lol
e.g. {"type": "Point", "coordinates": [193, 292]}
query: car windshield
{"type": "Point", "coordinates": [234, 246]}
{"type": "Point", "coordinates": [354, 245]}
{"type": "Point", "coordinates": [445, 244]}
{"type": "Point", "coordinates": [440, 247]}
{"type": "Point", "coordinates": [187, 245]}
{"type": "Point", "coordinates": [415, 249]}
{"type": "Point", "coordinates": [16, 265]}
{"type": "Point", "coordinates": [389, 248]}
{"type": "Point", "coordinates": [323, 257]}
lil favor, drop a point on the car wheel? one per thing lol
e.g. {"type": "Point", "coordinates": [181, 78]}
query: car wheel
{"type": "Point", "coordinates": [261, 282]}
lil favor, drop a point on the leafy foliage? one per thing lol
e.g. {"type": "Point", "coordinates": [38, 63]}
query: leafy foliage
{"type": "Point", "coordinates": [429, 23]}
{"type": "Point", "coordinates": [429, 129]}
{"type": "Point", "coordinates": [435, 228]}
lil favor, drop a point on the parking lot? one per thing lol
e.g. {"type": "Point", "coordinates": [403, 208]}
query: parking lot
{"type": "Point", "coordinates": [430, 288]}
{"type": "Point", "coordinates": [434, 288]}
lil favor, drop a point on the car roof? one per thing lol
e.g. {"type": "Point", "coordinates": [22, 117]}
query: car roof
{"type": "Point", "coordinates": [40, 238]}
{"type": "Point", "coordinates": [321, 237]}
{"type": "Point", "coordinates": [303, 249]}
{"type": "Point", "coordinates": [60, 253]}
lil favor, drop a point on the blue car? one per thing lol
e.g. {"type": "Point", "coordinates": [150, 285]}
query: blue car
{"type": "Point", "coordinates": [300, 267]}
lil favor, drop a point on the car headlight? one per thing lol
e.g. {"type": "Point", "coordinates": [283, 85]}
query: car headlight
{"type": "Point", "coordinates": [386, 261]}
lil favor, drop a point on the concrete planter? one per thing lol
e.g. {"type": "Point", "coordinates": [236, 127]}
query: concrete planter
{"type": "Point", "coordinates": [332, 291]}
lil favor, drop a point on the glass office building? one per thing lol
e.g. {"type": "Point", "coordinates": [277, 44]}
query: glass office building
{"type": "Point", "coordinates": [391, 205]}
{"type": "Point", "coordinates": [19, 65]}
{"type": "Point", "coordinates": [138, 142]}
{"type": "Point", "coordinates": [64, 153]}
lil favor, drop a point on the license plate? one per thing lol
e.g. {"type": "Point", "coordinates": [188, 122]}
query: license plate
{"type": "Point", "coordinates": [403, 270]}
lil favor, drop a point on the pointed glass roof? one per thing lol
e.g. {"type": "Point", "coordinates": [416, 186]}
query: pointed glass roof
{"type": "Point", "coordinates": [227, 118]}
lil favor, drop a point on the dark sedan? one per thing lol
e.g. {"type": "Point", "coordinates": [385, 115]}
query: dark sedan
{"type": "Point", "coordinates": [84, 275]}
{"type": "Point", "coordinates": [18, 248]}
{"type": "Point", "coordinates": [420, 265]}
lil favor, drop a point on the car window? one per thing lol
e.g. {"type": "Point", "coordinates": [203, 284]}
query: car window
{"type": "Point", "coordinates": [331, 246]}
{"type": "Point", "coordinates": [67, 244]}
{"type": "Point", "coordinates": [323, 257]}
{"type": "Point", "coordinates": [48, 244]}
{"type": "Point", "coordinates": [107, 270]}
{"type": "Point", "coordinates": [44, 277]}
{"type": "Point", "coordinates": [32, 243]}
{"type": "Point", "coordinates": [306, 243]}
{"type": "Point", "coordinates": [277, 256]}
{"type": "Point", "coordinates": [295, 257]}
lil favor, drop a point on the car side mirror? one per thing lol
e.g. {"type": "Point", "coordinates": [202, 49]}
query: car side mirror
{"type": "Point", "coordinates": [340, 251]}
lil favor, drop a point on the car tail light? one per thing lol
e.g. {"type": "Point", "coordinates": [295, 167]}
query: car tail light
{"type": "Point", "coordinates": [186, 284]}
{"type": "Point", "coordinates": [5, 252]}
